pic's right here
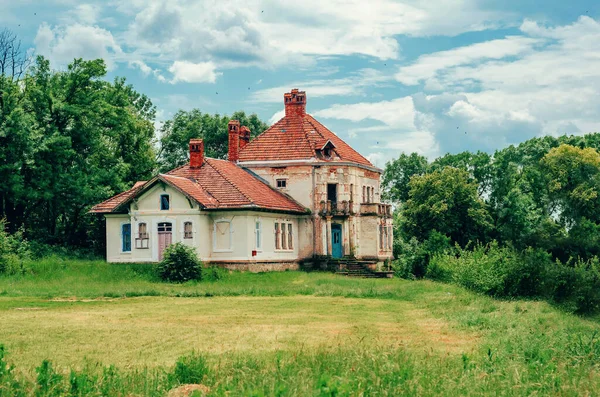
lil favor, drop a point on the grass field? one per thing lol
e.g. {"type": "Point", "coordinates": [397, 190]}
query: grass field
{"type": "Point", "coordinates": [290, 333]}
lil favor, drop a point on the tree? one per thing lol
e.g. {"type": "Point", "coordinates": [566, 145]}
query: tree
{"type": "Point", "coordinates": [68, 140]}
{"type": "Point", "coordinates": [445, 200]}
{"type": "Point", "coordinates": [397, 174]}
{"type": "Point", "coordinates": [478, 165]}
{"type": "Point", "coordinates": [185, 125]}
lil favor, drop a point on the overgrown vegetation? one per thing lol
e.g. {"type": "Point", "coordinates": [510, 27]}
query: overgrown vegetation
{"type": "Point", "coordinates": [522, 222]}
{"type": "Point", "coordinates": [287, 334]}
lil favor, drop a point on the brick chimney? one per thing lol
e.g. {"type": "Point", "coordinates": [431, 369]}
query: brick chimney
{"type": "Point", "coordinates": [295, 103]}
{"type": "Point", "coordinates": [234, 140]}
{"type": "Point", "coordinates": [244, 136]}
{"type": "Point", "coordinates": [196, 153]}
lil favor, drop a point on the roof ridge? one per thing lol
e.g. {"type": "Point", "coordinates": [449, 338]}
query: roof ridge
{"type": "Point", "coordinates": [227, 179]}
{"type": "Point", "coordinates": [337, 136]}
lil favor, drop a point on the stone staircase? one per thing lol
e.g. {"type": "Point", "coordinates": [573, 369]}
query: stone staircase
{"type": "Point", "coordinates": [351, 267]}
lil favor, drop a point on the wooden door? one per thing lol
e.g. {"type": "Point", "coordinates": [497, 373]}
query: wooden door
{"type": "Point", "coordinates": [165, 238]}
{"type": "Point", "coordinates": [336, 241]}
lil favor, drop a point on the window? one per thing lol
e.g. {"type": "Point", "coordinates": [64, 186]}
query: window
{"type": "Point", "coordinates": [381, 237]}
{"type": "Point", "coordinates": [332, 193]}
{"type": "Point", "coordinates": [277, 237]}
{"type": "Point", "coordinates": [142, 239]}
{"type": "Point", "coordinates": [222, 235]}
{"type": "Point", "coordinates": [364, 196]}
{"type": "Point", "coordinates": [351, 192]}
{"type": "Point", "coordinates": [284, 237]}
{"type": "Point", "coordinates": [372, 195]}
{"type": "Point", "coordinates": [164, 202]}
{"type": "Point", "coordinates": [258, 234]}
{"type": "Point", "coordinates": [390, 238]}
{"type": "Point", "coordinates": [368, 194]}
{"type": "Point", "coordinates": [165, 227]}
{"type": "Point", "coordinates": [327, 153]}
{"type": "Point", "coordinates": [126, 237]}
{"type": "Point", "coordinates": [187, 230]}
{"type": "Point", "coordinates": [281, 183]}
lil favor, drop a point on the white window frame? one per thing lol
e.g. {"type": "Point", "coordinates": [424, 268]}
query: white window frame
{"type": "Point", "coordinates": [223, 220]}
{"type": "Point", "coordinates": [121, 238]}
{"type": "Point", "coordinates": [284, 234]}
{"type": "Point", "coordinates": [285, 180]}
{"type": "Point", "coordinates": [160, 201]}
{"type": "Point", "coordinates": [258, 234]}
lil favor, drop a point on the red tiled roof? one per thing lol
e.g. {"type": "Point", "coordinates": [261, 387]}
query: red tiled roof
{"type": "Point", "coordinates": [115, 201]}
{"type": "Point", "coordinates": [296, 138]}
{"type": "Point", "coordinates": [232, 187]}
{"type": "Point", "coordinates": [218, 184]}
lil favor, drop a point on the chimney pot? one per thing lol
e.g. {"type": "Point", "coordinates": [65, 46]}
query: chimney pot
{"type": "Point", "coordinates": [244, 136]}
{"type": "Point", "coordinates": [295, 103]}
{"type": "Point", "coordinates": [196, 153]}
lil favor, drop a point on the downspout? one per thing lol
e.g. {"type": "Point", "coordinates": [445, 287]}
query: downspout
{"type": "Point", "coordinates": [315, 211]}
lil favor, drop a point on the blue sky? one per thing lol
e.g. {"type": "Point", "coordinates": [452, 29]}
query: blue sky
{"type": "Point", "coordinates": [387, 76]}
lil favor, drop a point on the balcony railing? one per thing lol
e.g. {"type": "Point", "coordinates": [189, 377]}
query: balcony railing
{"type": "Point", "coordinates": [341, 208]}
{"type": "Point", "coordinates": [383, 210]}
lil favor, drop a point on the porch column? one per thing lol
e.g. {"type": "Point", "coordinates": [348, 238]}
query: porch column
{"type": "Point", "coordinates": [351, 232]}
{"type": "Point", "coordinates": [328, 237]}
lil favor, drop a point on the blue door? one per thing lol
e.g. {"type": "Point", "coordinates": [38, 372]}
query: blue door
{"type": "Point", "coordinates": [336, 241]}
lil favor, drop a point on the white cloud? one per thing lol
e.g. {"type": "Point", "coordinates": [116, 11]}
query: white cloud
{"type": "Point", "coordinates": [268, 33]}
{"type": "Point", "coordinates": [342, 87]}
{"type": "Point", "coordinates": [188, 72]}
{"type": "Point", "coordinates": [86, 14]}
{"type": "Point", "coordinates": [147, 70]}
{"type": "Point", "coordinates": [276, 117]}
{"type": "Point", "coordinates": [61, 44]}
{"type": "Point", "coordinates": [427, 66]}
{"type": "Point", "coordinates": [398, 114]}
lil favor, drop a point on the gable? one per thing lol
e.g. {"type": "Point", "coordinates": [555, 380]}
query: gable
{"type": "Point", "coordinates": [150, 199]}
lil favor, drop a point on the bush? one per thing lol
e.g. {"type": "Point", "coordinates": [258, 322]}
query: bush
{"type": "Point", "coordinates": [575, 288]}
{"type": "Point", "coordinates": [414, 257]}
{"type": "Point", "coordinates": [180, 264]}
{"type": "Point", "coordinates": [493, 270]}
{"type": "Point", "coordinates": [14, 250]}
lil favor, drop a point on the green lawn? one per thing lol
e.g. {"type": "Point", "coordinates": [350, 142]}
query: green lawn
{"type": "Point", "coordinates": [290, 333]}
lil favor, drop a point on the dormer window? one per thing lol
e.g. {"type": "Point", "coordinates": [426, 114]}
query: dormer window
{"type": "Point", "coordinates": [281, 183]}
{"type": "Point", "coordinates": [327, 153]}
{"type": "Point", "coordinates": [164, 202]}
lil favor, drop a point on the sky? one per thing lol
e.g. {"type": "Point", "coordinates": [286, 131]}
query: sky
{"type": "Point", "coordinates": [431, 77]}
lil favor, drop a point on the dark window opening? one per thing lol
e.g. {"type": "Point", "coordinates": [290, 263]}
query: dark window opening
{"type": "Point", "coordinates": [165, 227]}
{"type": "Point", "coordinates": [126, 237]}
{"type": "Point", "coordinates": [187, 230]}
{"type": "Point", "coordinates": [332, 192]}
{"type": "Point", "coordinates": [164, 202]}
{"type": "Point", "coordinates": [281, 183]}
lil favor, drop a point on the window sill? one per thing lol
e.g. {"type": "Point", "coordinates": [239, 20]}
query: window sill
{"type": "Point", "coordinates": [230, 250]}
{"type": "Point", "coordinates": [284, 251]}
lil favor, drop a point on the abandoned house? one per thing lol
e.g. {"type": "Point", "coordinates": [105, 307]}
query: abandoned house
{"type": "Point", "coordinates": [294, 193]}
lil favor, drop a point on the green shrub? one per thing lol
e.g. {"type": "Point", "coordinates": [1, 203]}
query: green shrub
{"type": "Point", "coordinates": [414, 257]}
{"type": "Point", "coordinates": [49, 382]}
{"type": "Point", "coordinates": [493, 270]}
{"type": "Point", "coordinates": [575, 288]}
{"type": "Point", "coordinates": [190, 369]}
{"type": "Point", "coordinates": [14, 250]}
{"type": "Point", "coordinates": [180, 263]}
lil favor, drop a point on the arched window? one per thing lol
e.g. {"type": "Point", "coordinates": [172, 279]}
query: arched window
{"type": "Point", "coordinates": [187, 230]}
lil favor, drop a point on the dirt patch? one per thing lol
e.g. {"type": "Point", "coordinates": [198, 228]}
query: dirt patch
{"type": "Point", "coordinates": [188, 390]}
{"type": "Point", "coordinates": [75, 299]}
{"type": "Point", "coordinates": [28, 308]}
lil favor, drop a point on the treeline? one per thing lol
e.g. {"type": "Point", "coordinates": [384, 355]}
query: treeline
{"type": "Point", "coordinates": [524, 221]}
{"type": "Point", "coordinates": [70, 139]}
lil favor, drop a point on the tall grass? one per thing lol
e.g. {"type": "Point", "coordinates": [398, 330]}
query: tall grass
{"type": "Point", "coordinates": [538, 370]}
